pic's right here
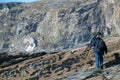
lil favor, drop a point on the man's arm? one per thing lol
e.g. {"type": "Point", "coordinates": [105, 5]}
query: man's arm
{"type": "Point", "coordinates": [106, 50]}
{"type": "Point", "coordinates": [92, 43]}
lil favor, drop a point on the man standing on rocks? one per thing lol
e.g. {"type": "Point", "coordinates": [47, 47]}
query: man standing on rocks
{"type": "Point", "coordinates": [99, 49]}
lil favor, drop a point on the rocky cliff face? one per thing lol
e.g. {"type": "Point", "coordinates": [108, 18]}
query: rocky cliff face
{"type": "Point", "coordinates": [57, 24]}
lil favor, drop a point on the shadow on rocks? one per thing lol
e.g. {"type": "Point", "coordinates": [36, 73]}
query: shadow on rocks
{"type": "Point", "coordinates": [113, 62]}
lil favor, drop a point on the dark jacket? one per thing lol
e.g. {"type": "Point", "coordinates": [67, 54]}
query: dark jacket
{"type": "Point", "coordinates": [94, 42]}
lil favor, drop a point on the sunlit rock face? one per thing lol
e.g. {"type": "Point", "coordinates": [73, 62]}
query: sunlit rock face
{"type": "Point", "coordinates": [56, 25]}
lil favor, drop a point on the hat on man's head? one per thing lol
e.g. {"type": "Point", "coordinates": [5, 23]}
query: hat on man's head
{"type": "Point", "coordinates": [98, 33]}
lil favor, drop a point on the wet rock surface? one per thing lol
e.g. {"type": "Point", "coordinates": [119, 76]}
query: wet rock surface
{"type": "Point", "coordinates": [65, 65]}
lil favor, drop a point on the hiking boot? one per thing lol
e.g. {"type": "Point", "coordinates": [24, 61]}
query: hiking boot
{"type": "Point", "coordinates": [101, 67]}
{"type": "Point", "coordinates": [97, 71]}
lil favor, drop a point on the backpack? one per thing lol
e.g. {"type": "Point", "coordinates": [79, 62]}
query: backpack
{"type": "Point", "coordinates": [101, 45]}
